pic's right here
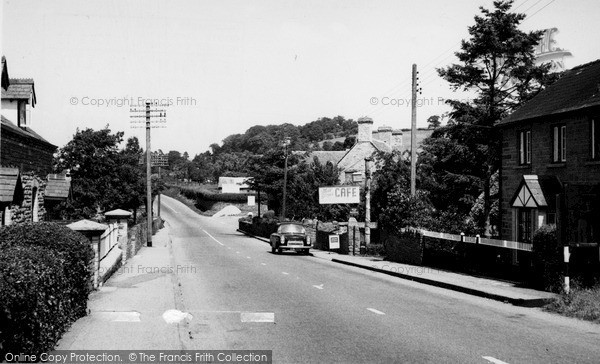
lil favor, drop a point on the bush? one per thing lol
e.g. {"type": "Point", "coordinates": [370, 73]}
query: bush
{"type": "Point", "coordinates": [44, 284]}
{"type": "Point", "coordinates": [547, 259]}
{"type": "Point", "coordinates": [582, 303]}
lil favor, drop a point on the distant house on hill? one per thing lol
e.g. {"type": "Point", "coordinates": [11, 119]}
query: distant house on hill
{"type": "Point", "coordinates": [384, 139]}
{"type": "Point", "coordinates": [233, 184]}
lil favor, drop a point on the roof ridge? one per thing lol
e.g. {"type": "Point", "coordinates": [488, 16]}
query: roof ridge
{"type": "Point", "coordinates": [21, 80]}
{"type": "Point", "coordinates": [585, 65]}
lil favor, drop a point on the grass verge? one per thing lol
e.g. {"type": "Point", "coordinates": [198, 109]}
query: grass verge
{"type": "Point", "coordinates": [582, 303]}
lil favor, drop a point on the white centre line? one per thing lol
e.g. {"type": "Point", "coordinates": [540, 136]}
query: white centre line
{"type": "Point", "coordinates": [375, 311]}
{"type": "Point", "coordinates": [212, 237]}
{"type": "Point", "coordinates": [286, 273]}
{"type": "Point", "coordinates": [248, 257]}
{"type": "Point", "coordinates": [320, 286]}
{"type": "Point", "coordinates": [491, 359]}
{"type": "Point", "coordinates": [257, 316]}
{"type": "Point", "coordinates": [237, 252]}
{"type": "Point", "coordinates": [263, 263]}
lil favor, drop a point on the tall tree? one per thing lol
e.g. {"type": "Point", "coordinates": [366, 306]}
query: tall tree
{"type": "Point", "coordinates": [497, 64]}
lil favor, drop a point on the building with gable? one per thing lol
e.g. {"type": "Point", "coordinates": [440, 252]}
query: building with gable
{"type": "Point", "coordinates": [25, 156]}
{"type": "Point", "coordinates": [551, 160]}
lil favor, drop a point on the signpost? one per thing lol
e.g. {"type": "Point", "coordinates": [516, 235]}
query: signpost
{"type": "Point", "coordinates": [339, 194]}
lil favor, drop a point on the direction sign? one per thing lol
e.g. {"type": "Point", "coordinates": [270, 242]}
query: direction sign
{"type": "Point", "coordinates": [339, 194]}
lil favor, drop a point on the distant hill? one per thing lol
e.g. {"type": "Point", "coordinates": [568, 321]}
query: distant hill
{"type": "Point", "coordinates": [259, 139]}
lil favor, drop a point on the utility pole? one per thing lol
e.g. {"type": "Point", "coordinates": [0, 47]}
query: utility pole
{"type": "Point", "coordinates": [148, 180]}
{"type": "Point", "coordinates": [285, 144]}
{"type": "Point", "coordinates": [413, 136]}
{"type": "Point", "coordinates": [367, 201]}
{"type": "Point", "coordinates": [147, 115]}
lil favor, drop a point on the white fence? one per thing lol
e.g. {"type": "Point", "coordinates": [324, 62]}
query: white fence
{"type": "Point", "coordinates": [108, 240]}
{"type": "Point", "coordinates": [514, 245]}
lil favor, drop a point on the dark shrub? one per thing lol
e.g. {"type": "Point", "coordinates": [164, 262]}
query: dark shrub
{"type": "Point", "coordinates": [50, 263]}
{"type": "Point", "coordinates": [34, 296]}
{"type": "Point", "coordinates": [547, 259]}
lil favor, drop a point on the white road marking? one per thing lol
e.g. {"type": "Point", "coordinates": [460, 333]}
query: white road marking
{"type": "Point", "coordinates": [175, 316]}
{"type": "Point", "coordinates": [229, 247]}
{"type": "Point", "coordinates": [257, 316]}
{"type": "Point", "coordinates": [491, 359]}
{"type": "Point", "coordinates": [248, 257]}
{"type": "Point", "coordinates": [320, 286]}
{"type": "Point", "coordinates": [237, 252]}
{"type": "Point", "coordinates": [213, 238]}
{"type": "Point", "coordinates": [286, 273]}
{"type": "Point", "coordinates": [263, 263]}
{"type": "Point", "coordinates": [375, 311]}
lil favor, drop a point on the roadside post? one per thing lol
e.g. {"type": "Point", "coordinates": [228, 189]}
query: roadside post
{"type": "Point", "coordinates": [340, 195]}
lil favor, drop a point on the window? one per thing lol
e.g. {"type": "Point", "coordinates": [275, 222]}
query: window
{"type": "Point", "coordinates": [22, 113]}
{"type": "Point", "coordinates": [559, 143]}
{"type": "Point", "coordinates": [595, 139]}
{"type": "Point", "coordinates": [524, 225]}
{"type": "Point", "coordinates": [525, 147]}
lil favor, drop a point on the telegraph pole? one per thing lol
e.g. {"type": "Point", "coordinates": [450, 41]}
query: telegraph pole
{"type": "Point", "coordinates": [367, 201]}
{"type": "Point", "coordinates": [147, 114]}
{"type": "Point", "coordinates": [148, 179]}
{"type": "Point", "coordinates": [285, 143]}
{"type": "Point", "coordinates": [413, 136]}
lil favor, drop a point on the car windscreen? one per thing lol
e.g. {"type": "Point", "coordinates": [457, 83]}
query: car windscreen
{"type": "Point", "coordinates": [291, 229]}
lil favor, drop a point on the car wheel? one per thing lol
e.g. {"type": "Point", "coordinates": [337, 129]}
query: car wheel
{"type": "Point", "coordinates": [279, 250]}
{"type": "Point", "coordinates": [306, 251]}
{"type": "Point", "coordinates": [273, 250]}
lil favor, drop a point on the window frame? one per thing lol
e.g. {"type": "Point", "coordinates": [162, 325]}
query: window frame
{"type": "Point", "coordinates": [595, 138]}
{"type": "Point", "coordinates": [524, 147]}
{"type": "Point", "coordinates": [559, 143]}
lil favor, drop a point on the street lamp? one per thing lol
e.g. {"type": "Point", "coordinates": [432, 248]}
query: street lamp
{"type": "Point", "coordinates": [285, 144]}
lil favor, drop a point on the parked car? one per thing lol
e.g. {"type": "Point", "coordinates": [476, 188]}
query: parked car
{"type": "Point", "coordinates": [290, 236]}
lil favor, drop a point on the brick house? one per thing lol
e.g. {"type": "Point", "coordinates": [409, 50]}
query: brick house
{"type": "Point", "coordinates": [25, 156]}
{"type": "Point", "coordinates": [551, 160]}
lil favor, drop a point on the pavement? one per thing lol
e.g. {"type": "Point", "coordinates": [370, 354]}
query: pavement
{"type": "Point", "coordinates": [499, 290]}
{"type": "Point", "coordinates": [133, 309]}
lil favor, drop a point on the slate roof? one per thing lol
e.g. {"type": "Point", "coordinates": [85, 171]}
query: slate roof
{"type": "Point", "coordinates": [58, 187]}
{"type": "Point", "coordinates": [9, 177]}
{"type": "Point", "coordinates": [20, 89]}
{"type": "Point", "coordinates": [324, 156]}
{"type": "Point", "coordinates": [23, 131]}
{"type": "Point", "coordinates": [577, 89]}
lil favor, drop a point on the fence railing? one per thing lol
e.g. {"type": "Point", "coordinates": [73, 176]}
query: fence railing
{"type": "Point", "coordinates": [108, 240]}
{"type": "Point", "coordinates": [514, 245]}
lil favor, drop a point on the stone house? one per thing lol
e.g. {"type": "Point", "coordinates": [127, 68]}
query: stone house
{"type": "Point", "coordinates": [385, 139]}
{"type": "Point", "coordinates": [550, 166]}
{"type": "Point", "coordinates": [25, 156]}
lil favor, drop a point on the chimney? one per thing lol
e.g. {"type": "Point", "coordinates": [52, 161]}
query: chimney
{"type": "Point", "coordinates": [385, 134]}
{"type": "Point", "coordinates": [397, 139]}
{"type": "Point", "coordinates": [364, 129]}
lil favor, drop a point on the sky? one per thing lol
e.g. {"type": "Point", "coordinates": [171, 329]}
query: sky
{"type": "Point", "coordinates": [224, 66]}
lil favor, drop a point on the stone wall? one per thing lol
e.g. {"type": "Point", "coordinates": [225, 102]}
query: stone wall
{"type": "Point", "coordinates": [23, 212]}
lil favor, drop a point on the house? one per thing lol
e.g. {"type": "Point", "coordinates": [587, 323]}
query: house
{"type": "Point", "coordinates": [550, 165]}
{"type": "Point", "coordinates": [351, 162]}
{"type": "Point", "coordinates": [233, 184]}
{"type": "Point", "coordinates": [25, 156]}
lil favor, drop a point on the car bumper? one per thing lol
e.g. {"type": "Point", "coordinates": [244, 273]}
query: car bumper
{"type": "Point", "coordinates": [295, 247]}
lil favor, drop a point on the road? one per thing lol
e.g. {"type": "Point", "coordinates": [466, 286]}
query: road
{"type": "Point", "coordinates": [311, 310]}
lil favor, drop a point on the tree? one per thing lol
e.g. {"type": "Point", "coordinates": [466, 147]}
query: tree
{"type": "Point", "coordinates": [497, 64]}
{"type": "Point", "coordinates": [102, 177]}
{"type": "Point", "coordinates": [433, 122]}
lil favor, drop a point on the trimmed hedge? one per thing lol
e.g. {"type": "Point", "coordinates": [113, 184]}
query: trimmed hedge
{"type": "Point", "coordinates": [259, 226]}
{"type": "Point", "coordinates": [201, 194]}
{"type": "Point", "coordinates": [44, 284]}
{"type": "Point", "coordinates": [547, 259]}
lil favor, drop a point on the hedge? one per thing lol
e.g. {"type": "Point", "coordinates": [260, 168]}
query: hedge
{"type": "Point", "coordinates": [44, 284]}
{"type": "Point", "coordinates": [200, 194]}
{"type": "Point", "coordinates": [547, 259]}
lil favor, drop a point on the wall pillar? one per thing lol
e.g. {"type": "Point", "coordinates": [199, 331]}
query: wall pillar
{"type": "Point", "coordinates": [120, 218]}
